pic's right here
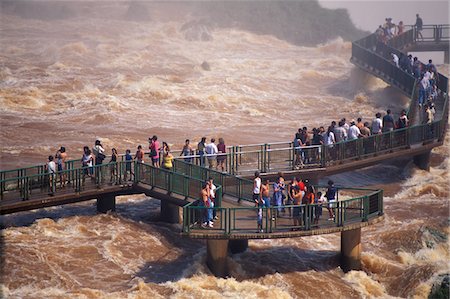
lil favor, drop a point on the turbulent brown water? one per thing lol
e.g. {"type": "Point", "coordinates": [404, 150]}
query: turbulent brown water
{"type": "Point", "coordinates": [69, 82]}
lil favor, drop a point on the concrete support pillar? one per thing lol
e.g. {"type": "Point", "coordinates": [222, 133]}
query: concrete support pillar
{"type": "Point", "coordinates": [170, 213]}
{"type": "Point", "coordinates": [238, 246]}
{"type": "Point", "coordinates": [446, 57]}
{"type": "Point", "coordinates": [216, 257]}
{"type": "Point", "coordinates": [423, 161]}
{"type": "Point", "coordinates": [351, 250]}
{"type": "Point", "coordinates": [106, 203]}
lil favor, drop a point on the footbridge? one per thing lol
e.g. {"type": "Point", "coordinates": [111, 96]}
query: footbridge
{"type": "Point", "coordinates": [179, 188]}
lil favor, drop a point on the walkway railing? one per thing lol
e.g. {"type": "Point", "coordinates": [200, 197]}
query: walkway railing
{"type": "Point", "coordinates": [366, 205]}
{"type": "Point", "coordinates": [101, 177]}
{"type": "Point", "coordinates": [268, 158]}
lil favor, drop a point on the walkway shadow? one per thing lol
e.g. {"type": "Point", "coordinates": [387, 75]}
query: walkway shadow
{"type": "Point", "coordinates": [251, 264]}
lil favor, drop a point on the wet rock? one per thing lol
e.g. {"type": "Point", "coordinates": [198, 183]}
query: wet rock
{"type": "Point", "coordinates": [196, 31]}
{"type": "Point", "coordinates": [440, 287]}
{"type": "Point", "coordinates": [206, 66]}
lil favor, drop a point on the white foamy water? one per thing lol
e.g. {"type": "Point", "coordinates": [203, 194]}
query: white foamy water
{"type": "Point", "coordinates": [70, 82]}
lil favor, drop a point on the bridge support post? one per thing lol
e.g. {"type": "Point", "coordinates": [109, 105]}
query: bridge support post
{"type": "Point", "coordinates": [216, 257]}
{"type": "Point", "coordinates": [423, 161]}
{"type": "Point", "coordinates": [106, 203]}
{"type": "Point", "coordinates": [446, 57]}
{"type": "Point", "coordinates": [238, 246]}
{"type": "Point", "coordinates": [170, 213]}
{"type": "Point", "coordinates": [351, 249]}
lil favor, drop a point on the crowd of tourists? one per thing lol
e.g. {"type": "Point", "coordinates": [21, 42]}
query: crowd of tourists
{"type": "Point", "coordinates": [292, 199]}
{"type": "Point", "coordinates": [159, 156]}
{"type": "Point", "coordinates": [389, 29]}
{"type": "Point", "coordinates": [343, 130]}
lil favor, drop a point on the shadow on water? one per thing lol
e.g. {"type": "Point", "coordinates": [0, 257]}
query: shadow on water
{"type": "Point", "coordinates": [251, 264]}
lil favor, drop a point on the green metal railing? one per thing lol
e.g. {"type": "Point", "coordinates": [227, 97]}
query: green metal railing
{"type": "Point", "coordinates": [279, 219]}
{"type": "Point", "coordinates": [269, 158]}
{"type": "Point", "coordinates": [102, 176]}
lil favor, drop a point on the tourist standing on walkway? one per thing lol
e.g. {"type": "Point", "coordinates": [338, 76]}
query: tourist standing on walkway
{"type": "Point", "coordinates": [290, 199]}
{"type": "Point", "coordinates": [318, 201]}
{"type": "Point", "coordinates": [99, 154]}
{"type": "Point", "coordinates": [265, 197]}
{"type": "Point", "coordinates": [297, 144]}
{"type": "Point", "coordinates": [278, 188]}
{"type": "Point", "coordinates": [329, 138]}
{"type": "Point", "coordinates": [308, 200]}
{"type": "Point", "coordinates": [400, 28]}
{"type": "Point", "coordinates": [128, 161]}
{"type": "Point", "coordinates": [201, 151]}
{"type": "Point", "coordinates": [353, 132]}
{"type": "Point", "coordinates": [61, 157]}
{"type": "Point", "coordinates": [297, 196]}
{"type": "Point", "coordinates": [204, 195]}
{"type": "Point", "coordinates": [51, 170]}
{"type": "Point", "coordinates": [167, 157]}
{"type": "Point", "coordinates": [331, 198]}
{"type": "Point", "coordinates": [377, 124]}
{"type": "Point", "coordinates": [113, 167]}
{"type": "Point", "coordinates": [139, 156]}
{"type": "Point", "coordinates": [187, 151]}
{"type": "Point", "coordinates": [365, 130]}
{"type": "Point", "coordinates": [402, 120]}
{"type": "Point", "coordinates": [388, 122]}
{"type": "Point", "coordinates": [87, 161]}
{"type": "Point", "coordinates": [419, 26]}
{"type": "Point", "coordinates": [424, 87]}
{"type": "Point", "coordinates": [359, 123]}
{"type": "Point", "coordinates": [340, 133]}
{"type": "Point", "coordinates": [256, 187]}
{"type": "Point", "coordinates": [211, 152]}
{"type": "Point", "coordinates": [221, 157]}
{"type": "Point", "coordinates": [154, 150]}
{"type": "Point", "coordinates": [212, 195]}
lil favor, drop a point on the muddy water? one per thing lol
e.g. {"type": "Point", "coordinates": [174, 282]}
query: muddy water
{"type": "Point", "coordinates": [69, 82]}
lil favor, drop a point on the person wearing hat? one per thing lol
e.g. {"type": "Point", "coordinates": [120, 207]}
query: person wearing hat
{"type": "Point", "coordinates": [353, 131]}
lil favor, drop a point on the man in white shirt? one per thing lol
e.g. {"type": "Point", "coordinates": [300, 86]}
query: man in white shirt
{"type": "Point", "coordinates": [395, 59]}
{"type": "Point", "coordinates": [51, 169]}
{"type": "Point", "coordinates": [377, 124]}
{"type": "Point", "coordinates": [211, 153]}
{"type": "Point", "coordinates": [212, 195]}
{"type": "Point", "coordinates": [353, 131]}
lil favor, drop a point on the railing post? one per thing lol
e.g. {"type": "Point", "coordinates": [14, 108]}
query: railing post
{"type": "Point", "coordinates": [366, 208]}
{"type": "Point", "coordinates": [380, 203]}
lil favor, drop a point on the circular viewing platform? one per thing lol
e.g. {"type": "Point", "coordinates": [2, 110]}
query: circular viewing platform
{"type": "Point", "coordinates": [353, 209]}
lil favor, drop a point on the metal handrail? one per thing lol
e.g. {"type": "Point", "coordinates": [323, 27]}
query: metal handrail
{"type": "Point", "coordinates": [244, 219]}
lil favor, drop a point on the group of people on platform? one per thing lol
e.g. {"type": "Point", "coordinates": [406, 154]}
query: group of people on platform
{"type": "Point", "coordinates": [160, 156]}
{"type": "Point", "coordinates": [390, 30]}
{"type": "Point", "coordinates": [343, 131]}
{"type": "Point", "coordinates": [291, 199]}
{"type": "Point", "coordinates": [214, 154]}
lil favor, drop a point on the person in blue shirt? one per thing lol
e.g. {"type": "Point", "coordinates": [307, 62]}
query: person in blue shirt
{"type": "Point", "coordinates": [331, 198]}
{"type": "Point", "coordinates": [128, 160]}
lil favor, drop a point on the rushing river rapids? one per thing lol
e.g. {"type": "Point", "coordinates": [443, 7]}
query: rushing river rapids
{"type": "Point", "coordinates": [69, 82]}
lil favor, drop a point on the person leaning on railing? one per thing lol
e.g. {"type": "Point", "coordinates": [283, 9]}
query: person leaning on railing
{"type": "Point", "coordinates": [167, 157]}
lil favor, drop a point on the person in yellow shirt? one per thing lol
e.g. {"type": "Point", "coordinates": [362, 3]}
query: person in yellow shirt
{"type": "Point", "coordinates": [167, 157]}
